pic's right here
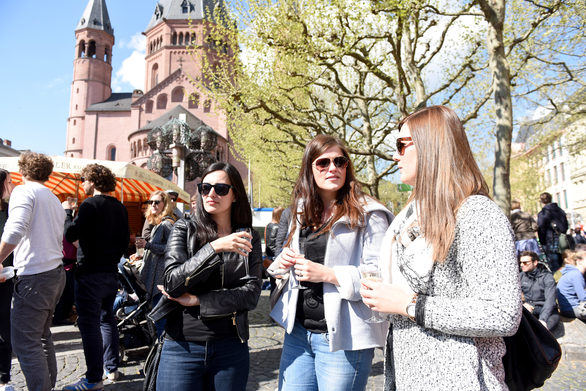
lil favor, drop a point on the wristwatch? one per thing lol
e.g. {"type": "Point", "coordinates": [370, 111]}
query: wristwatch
{"type": "Point", "coordinates": [410, 309]}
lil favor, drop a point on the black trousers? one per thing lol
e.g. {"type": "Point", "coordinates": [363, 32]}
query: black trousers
{"type": "Point", "coordinates": [5, 345]}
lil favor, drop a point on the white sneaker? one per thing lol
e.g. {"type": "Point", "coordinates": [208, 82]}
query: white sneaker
{"type": "Point", "coordinates": [6, 387]}
{"type": "Point", "coordinates": [112, 376]}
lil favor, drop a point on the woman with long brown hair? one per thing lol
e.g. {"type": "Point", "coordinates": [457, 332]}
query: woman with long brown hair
{"type": "Point", "coordinates": [335, 228]}
{"type": "Point", "coordinates": [450, 275]}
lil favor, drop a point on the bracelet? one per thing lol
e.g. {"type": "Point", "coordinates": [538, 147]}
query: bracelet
{"type": "Point", "coordinates": [410, 309]}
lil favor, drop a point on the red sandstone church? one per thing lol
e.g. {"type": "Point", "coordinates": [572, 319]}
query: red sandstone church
{"type": "Point", "coordinates": [114, 126]}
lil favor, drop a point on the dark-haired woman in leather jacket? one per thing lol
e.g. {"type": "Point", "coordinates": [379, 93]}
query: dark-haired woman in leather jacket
{"type": "Point", "coordinates": [207, 322]}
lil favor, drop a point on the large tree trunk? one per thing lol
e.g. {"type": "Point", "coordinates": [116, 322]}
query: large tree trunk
{"type": "Point", "coordinates": [494, 12]}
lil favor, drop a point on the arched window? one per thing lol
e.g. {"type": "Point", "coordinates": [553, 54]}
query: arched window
{"type": "Point", "coordinates": [162, 101]}
{"type": "Point", "coordinates": [193, 101]}
{"type": "Point", "coordinates": [73, 140]}
{"type": "Point", "coordinates": [74, 123]}
{"type": "Point", "coordinates": [81, 49]}
{"type": "Point", "coordinates": [193, 38]}
{"type": "Point", "coordinates": [207, 105]}
{"type": "Point", "coordinates": [174, 39]}
{"type": "Point", "coordinates": [139, 148]}
{"type": "Point", "coordinates": [177, 95]}
{"type": "Point", "coordinates": [180, 39]}
{"type": "Point", "coordinates": [107, 55]}
{"type": "Point", "coordinates": [154, 75]}
{"type": "Point", "coordinates": [111, 153]}
{"type": "Point", "coordinates": [149, 106]}
{"type": "Point", "coordinates": [91, 51]}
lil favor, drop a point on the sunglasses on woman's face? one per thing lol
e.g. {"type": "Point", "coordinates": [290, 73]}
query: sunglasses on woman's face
{"type": "Point", "coordinates": [221, 189]}
{"type": "Point", "coordinates": [402, 143]}
{"type": "Point", "coordinates": [154, 202]}
{"type": "Point", "coordinates": [339, 162]}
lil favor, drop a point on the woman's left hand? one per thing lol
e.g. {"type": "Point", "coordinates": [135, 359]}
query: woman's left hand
{"type": "Point", "coordinates": [383, 297]}
{"type": "Point", "coordinates": [307, 270]}
{"type": "Point", "coordinates": [186, 299]}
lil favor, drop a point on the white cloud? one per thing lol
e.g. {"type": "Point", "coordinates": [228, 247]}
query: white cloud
{"type": "Point", "coordinates": [131, 72]}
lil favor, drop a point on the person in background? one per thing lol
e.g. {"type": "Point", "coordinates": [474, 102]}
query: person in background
{"type": "Point", "coordinates": [64, 309]}
{"type": "Point", "coordinates": [101, 226]}
{"type": "Point", "coordinates": [579, 236]}
{"type": "Point", "coordinates": [525, 229]}
{"type": "Point", "coordinates": [271, 232]}
{"type": "Point", "coordinates": [539, 290]}
{"type": "Point", "coordinates": [34, 231]}
{"type": "Point", "coordinates": [205, 347]}
{"type": "Point", "coordinates": [336, 228]}
{"type": "Point", "coordinates": [160, 216]}
{"type": "Point", "coordinates": [6, 289]}
{"type": "Point", "coordinates": [173, 196]}
{"type": "Point", "coordinates": [283, 230]}
{"type": "Point", "coordinates": [450, 275]}
{"type": "Point", "coordinates": [551, 222]}
{"type": "Point", "coordinates": [571, 288]}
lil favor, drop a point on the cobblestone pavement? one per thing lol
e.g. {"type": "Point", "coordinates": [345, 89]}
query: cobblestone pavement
{"type": "Point", "coordinates": [265, 352]}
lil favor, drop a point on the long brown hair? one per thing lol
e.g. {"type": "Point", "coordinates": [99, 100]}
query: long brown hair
{"type": "Point", "coordinates": [349, 198]}
{"type": "Point", "coordinates": [167, 212]}
{"type": "Point", "coordinates": [446, 173]}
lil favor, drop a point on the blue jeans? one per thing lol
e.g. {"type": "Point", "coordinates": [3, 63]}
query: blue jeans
{"type": "Point", "coordinates": [195, 366]}
{"type": "Point", "coordinates": [307, 364]}
{"type": "Point", "coordinates": [94, 297]}
{"type": "Point", "coordinates": [33, 303]}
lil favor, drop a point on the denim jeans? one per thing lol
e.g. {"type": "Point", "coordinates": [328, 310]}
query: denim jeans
{"type": "Point", "coordinates": [220, 365]}
{"type": "Point", "coordinates": [94, 297]}
{"type": "Point", "coordinates": [5, 345]}
{"type": "Point", "coordinates": [33, 303]}
{"type": "Point", "coordinates": [307, 364]}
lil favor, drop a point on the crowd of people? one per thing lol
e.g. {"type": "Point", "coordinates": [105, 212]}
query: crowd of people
{"type": "Point", "coordinates": [438, 286]}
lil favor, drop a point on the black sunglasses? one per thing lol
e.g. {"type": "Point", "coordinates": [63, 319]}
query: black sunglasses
{"type": "Point", "coordinates": [154, 202]}
{"type": "Point", "coordinates": [339, 162]}
{"type": "Point", "coordinates": [402, 143]}
{"type": "Point", "coordinates": [221, 189]}
{"type": "Point", "coordinates": [82, 179]}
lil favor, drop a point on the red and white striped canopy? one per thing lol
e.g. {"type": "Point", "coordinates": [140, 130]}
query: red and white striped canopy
{"type": "Point", "coordinates": [134, 184]}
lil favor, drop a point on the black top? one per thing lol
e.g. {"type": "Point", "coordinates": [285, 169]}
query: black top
{"type": "Point", "coordinates": [549, 215]}
{"type": "Point", "coordinates": [101, 226]}
{"type": "Point", "coordinates": [3, 218]}
{"type": "Point", "coordinates": [310, 304]}
{"type": "Point", "coordinates": [271, 231]}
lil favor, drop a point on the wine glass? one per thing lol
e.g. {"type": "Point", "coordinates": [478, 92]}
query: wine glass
{"type": "Point", "coordinates": [295, 284]}
{"type": "Point", "coordinates": [245, 258]}
{"type": "Point", "coordinates": [371, 272]}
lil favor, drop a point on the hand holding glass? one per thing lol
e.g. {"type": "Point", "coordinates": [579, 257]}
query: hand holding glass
{"type": "Point", "coordinates": [245, 258]}
{"type": "Point", "coordinates": [371, 272]}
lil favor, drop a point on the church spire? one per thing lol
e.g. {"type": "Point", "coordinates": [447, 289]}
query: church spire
{"type": "Point", "coordinates": [96, 17]}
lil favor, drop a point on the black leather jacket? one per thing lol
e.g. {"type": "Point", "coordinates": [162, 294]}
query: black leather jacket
{"type": "Point", "coordinates": [224, 294]}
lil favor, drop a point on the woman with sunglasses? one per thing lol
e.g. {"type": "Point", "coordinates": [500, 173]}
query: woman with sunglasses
{"type": "Point", "coordinates": [450, 275]}
{"type": "Point", "coordinates": [335, 228]}
{"type": "Point", "coordinates": [206, 334]}
{"type": "Point", "coordinates": [159, 215]}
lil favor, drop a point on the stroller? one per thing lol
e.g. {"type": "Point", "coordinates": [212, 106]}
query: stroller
{"type": "Point", "coordinates": [132, 307]}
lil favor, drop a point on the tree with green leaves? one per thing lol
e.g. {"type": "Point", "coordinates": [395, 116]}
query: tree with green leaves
{"type": "Point", "coordinates": [290, 70]}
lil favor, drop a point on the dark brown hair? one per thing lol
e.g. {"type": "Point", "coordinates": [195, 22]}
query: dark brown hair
{"type": "Point", "coordinates": [545, 198]}
{"type": "Point", "coordinates": [35, 166]}
{"type": "Point", "coordinates": [349, 198]}
{"type": "Point", "coordinates": [101, 176]}
{"type": "Point", "coordinates": [446, 173]}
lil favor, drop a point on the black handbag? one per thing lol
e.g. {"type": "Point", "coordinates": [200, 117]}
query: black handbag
{"type": "Point", "coordinates": [151, 365]}
{"type": "Point", "coordinates": [532, 354]}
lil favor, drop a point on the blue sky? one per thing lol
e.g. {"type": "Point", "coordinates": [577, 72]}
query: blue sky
{"type": "Point", "coordinates": [37, 39]}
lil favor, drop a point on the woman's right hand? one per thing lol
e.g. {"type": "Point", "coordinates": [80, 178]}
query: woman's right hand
{"type": "Point", "coordinates": [140, 242]}
{"type": "Point", "coordinates": [286, 259]}
{"type": "Point", "coordinates": [237, 242]}
{"type": "Point", "coordinates": [186, 299]}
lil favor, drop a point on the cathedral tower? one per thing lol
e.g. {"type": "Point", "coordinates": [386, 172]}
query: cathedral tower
{"type": "Point", "coordinates": [92, 73]}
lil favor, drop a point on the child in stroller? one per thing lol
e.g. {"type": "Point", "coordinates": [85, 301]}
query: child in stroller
{"type": "Point", "coordinates": [131, 307]}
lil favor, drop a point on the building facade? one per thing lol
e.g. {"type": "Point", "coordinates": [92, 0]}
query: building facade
{"type": "Point", "coordinates": [114, 126]}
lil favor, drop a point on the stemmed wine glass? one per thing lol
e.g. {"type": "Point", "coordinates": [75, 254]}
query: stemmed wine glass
{"type": "Point", "coordinates": [245, 258]}
{"type": "Point", "coordinates": [371, 272]}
